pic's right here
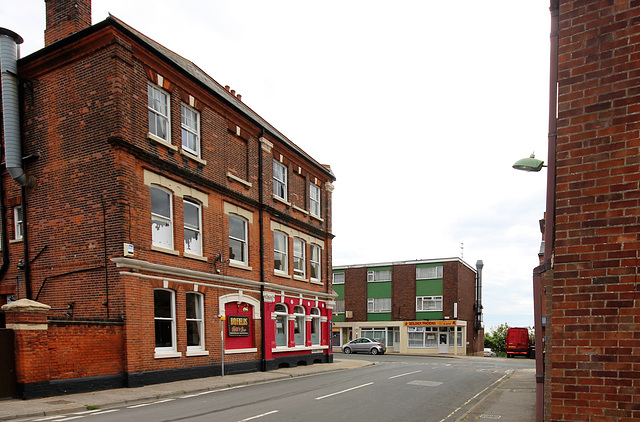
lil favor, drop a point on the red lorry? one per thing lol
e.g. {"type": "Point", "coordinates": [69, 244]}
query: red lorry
{"type": "Point", "coordinates": [518, 343]}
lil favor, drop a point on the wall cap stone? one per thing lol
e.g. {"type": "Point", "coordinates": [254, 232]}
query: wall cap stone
{"type": "Point", "coordinates": [25, 305]}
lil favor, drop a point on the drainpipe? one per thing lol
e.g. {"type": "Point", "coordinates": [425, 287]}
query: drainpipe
{"type": "Point", "coordinates": [263, 361]}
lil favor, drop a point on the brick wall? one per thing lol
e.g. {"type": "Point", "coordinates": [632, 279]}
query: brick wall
{"type": "Point", "coordinates": [596, 318]}
{"type": "Point", "coordinates": [403, 298]}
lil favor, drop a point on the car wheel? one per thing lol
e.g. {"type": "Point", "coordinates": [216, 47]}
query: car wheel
{"type": "Point", "coordinates": [347, 350]}
{"type": "Point", "coordinates": [374, 351]}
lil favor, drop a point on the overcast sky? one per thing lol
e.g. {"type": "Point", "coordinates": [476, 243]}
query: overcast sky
{"type": "Point", "coordinates": [419, 107]}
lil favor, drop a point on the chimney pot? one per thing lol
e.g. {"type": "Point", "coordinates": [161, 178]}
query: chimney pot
{"type": "Point", "coordinates": [239, 97]}
{"type": "Point", "coordinates": [233, 92]}
{"type": "Point", "coordinates": [227, 87]}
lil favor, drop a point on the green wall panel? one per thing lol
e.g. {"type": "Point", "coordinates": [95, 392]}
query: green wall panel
{"type": "Point", "coordinates": [429, 315]}
{"type": "Point", "coordinates": [379, 290]}
{"type": "Point", "coordinates": [379, 317]}
{"type": "Point", "coordinates": [429, 287]}
{"type": "Point", "coordinates": [339, 289]}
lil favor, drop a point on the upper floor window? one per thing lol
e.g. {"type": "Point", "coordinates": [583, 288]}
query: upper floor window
{"type": "Point", "coordinates": [164, 315]}
{"type": "Point", "coordinates": [195, 321]}
{"type": "Point", "coordinates": [375, 305]}
{"type": "Point", "coordinates": [161, 218]}
{"type": "Point", "coordinates": [192, 227]}
{"type": "Point", "coordinates": [298, 257]}
{"type": "Point", "coordinates": [314, 262]}
{"type": "Point", "coordinates": [314, 199]}
{"type": "Point", "coordinates": [280, 258]}
{"type": "Point", "coordinates": [428, 303]}
{"type": "Point", "coordinates": [159, 121]}
{"type": "Point", "coordinates": [424, 273]}
{"type": "Point", "coordinates": [338, 278]}
{"type": "Point", "coordinates": [339, 306]}
{"type": "Point", "coordinates": [17, 222]}
{"type": "Point", "coordinates": [279, 180]}
{"type": "Point", "coordinates": [190, 130]}
{"type": "Point", "coordinates": [379, 275]}
{"type": "Point", "coordinates": [238, 239]}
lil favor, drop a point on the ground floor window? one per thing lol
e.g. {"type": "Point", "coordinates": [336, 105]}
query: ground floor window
{"type": "Point", "coordinates": [377, 334]}
{"type": "Point", "coordinates": [457, 333]}
{"type": "Point", "coordinates": [281, 325]}
{"type": "Point", "coordinates": [315, 326]}
{"type": "Point", "coordinates": [299, 325]}
{"type": "Point", "coordinates": [165, 322]}
{"type": "Point", "coordinates": [421, 337]}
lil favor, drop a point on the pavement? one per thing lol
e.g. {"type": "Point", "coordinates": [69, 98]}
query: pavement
{"type": "Point", "coordinates": [512, 398]}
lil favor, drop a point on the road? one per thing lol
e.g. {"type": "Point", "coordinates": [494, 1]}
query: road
{"type": "Point", "coordinates": [395, 388]}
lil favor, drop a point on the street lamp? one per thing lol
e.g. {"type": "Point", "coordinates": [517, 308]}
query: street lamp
{"type": "Point", "coordinates": [530, 163]}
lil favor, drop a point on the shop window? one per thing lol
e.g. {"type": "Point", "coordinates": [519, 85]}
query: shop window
{"type": "Point", "coordinates": [315, 326]}
{"type": "Point", "coordinates": [299, 325]}
{"type": "Point", "coordinates": [281, 325]}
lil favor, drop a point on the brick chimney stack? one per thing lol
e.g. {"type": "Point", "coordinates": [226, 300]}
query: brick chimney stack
{"type": "Point", "coordinates": [66, 17]}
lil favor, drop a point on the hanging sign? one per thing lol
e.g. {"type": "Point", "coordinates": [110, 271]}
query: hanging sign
{"type": "Point", "coordinates": [238, 326]}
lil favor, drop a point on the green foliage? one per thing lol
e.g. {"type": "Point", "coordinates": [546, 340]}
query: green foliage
{"type": "Point", "coordinates": [496, 338]}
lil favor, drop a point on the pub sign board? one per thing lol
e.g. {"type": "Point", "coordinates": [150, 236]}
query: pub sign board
{"type": "Point", "coordinates": [238, 325]}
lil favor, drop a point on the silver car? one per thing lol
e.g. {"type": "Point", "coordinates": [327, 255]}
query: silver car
{"type": "Point", "coordinates": [365, 345]}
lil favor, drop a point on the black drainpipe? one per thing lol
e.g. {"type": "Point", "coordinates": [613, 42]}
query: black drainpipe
{"type": "Point", "coordinates": [263, 362]}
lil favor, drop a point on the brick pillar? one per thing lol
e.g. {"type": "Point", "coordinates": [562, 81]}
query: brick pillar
{"type": "Point", "coordinates": [28, 320]}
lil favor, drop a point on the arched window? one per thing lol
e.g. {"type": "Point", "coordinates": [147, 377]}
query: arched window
{"type": "Point", "coordinates": [315, 326]}
{"type": "Point", "coordinates": [161, 218]}
{"type": "Point", "coordinates": [299, 325]}
{"type": "Point", "coordinates": [282, 326]}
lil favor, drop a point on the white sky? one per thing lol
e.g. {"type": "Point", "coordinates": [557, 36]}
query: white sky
{"type": "Point", "coordinates": [420, 107]}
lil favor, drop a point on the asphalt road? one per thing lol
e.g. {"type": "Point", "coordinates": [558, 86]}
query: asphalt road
{"type": "Point", "coordinates": [397, 388]}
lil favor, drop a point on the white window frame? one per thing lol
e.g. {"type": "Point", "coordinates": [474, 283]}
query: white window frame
{"type": "Point", "coordinates": [283, 316]}
{"type": "Point", "coordinates": [316, 326]}
{"type": "Point", "coordinates": [428, 273]}
{"type": "Point", "coordinates": [189, 246]}
{"type": "Point", "coordinates": [299, 253]}
{"type": "Point", "coordinates": [280, 180]}
{"type": "Point", "coordinates": [339, 279]}
{"type": "Point", "coordinates": [314, 200]}
{"type": "Point", "coordinates": [171, 319]}
{"type": "Point", "coordinates": [190, 124]}
{"type": "Point", "coordinates": [300, 322]}
{"type": "Point", "coordinates": [284, 254]}
{"type": "Point", "coordinates": [423, 303]}
{"type": "Point", "coordinates": [339, 307]}
{"type": "Point", "coordinates": [376, 276]}
{"type": "Point", "coordinates": [198, 319]}
{"type": "Point", "coordinates": [315, 259]}
{"type": "Point", "coordinates": [378, 305]}
{"type": "Point", "coordinates": [243, 242]}
{"type": "Point", "coordinates": [159, 217]}
{"type": "Point", "coordinates": [155, 96]}
{"type": "Point", "coordinates": [17, 222]}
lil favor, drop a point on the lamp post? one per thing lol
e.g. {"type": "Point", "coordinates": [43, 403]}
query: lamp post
{"type": "Point", "coordinates": [532, 164]}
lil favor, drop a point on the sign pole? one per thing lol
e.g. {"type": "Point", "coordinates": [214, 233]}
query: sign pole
{"type": "Point", "coordinates": [222, 319]}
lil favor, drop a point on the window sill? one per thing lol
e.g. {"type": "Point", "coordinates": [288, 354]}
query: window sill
{"type": "Point", "coordinates": [197, 353]}
{"type": "Point", "coordinates": [236, 351]}
{"type": "Point", "coordinates": [319, 282]}
{"type": "Point", "coordinates": [320, 219]}
{"type": "Point", "coordinates": [192, 156]}
{"type": "Point", "coordinates": [240, 266]}
{"type": "Point", "coordinates": [283, 275]}
{"type": "Point", "coordinates": [235, 178]}
{"type": "Point", "coordinates": [165, 250]}
{"type": "Point", "coordinates": [284, 201]}
{"type": "Point", "coordinates": [281, 349]}
{"type": "Point", "coordinates": [297, 277]}
{"type": "Point", "coordinates": [161, 141]}
{"type": "Point", "coordinates": [166, 355]}
{"type": "Point", "coordinates": [305, 212]}
{"type": "Point", "coordinates": [193, 256]}
{"type": "Point", "coordinates": [15, 241]}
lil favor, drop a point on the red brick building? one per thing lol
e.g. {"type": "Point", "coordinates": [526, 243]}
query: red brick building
{"type": "Point", "coordinates": [146, 210]}
{"type": "Point", "coordinates": [431, 306]}
{"type": "Point", "coordinates": [590, 271]}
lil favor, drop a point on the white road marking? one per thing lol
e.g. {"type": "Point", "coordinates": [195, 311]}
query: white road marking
{"type": "Point", "coordinates": [402, 375]}
{"type": "Point", "coordinates": [69, 418]}
{"type": "Point", "coordinates": [343, 391]}
{"type": "Point", "coordinates": [149, 404]}
{"type": "Point", "coordinates": [467, 402]}
{"type": "Point", "coordinates": [259, 416]}
{"type": "Point", "coordinates": [212, 391]}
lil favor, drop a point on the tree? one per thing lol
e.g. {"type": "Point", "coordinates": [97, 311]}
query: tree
{"type": "Point", "coordinates": [496, 338]}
